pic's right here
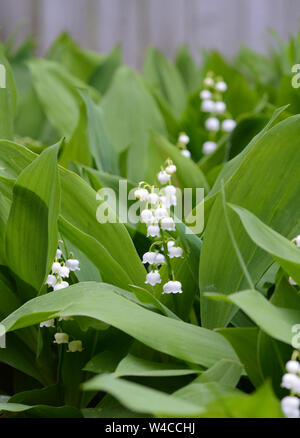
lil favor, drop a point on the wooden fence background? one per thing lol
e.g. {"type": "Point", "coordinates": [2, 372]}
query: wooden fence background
{"type": "Point", "coordinates": [100, 24]}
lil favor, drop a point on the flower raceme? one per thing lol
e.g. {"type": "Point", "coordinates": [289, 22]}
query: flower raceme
{"type": "Point", "coordinates": [213, 105]}
{"type": "Point", "coordinates": [59, 271]}
{"type": "Point", "coordinates": [157, 218]}
{"type": "Point", "coordinates": [291, 380]}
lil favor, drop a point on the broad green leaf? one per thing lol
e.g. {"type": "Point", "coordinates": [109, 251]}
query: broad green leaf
{"type": "Point", "coordinates": [31, 234]}
{"type": "Point", "coordinates": [265, 183]}
{"type": "Point", "coordinates": [282, 250]}
{"type": "Point", "coordinates": [41, 411]}
{"type": "Point", "coordinates": [103, 75]}
{"type": "Point", "coordinates": [261, 404]}
{"type": "Point", "coordinates": [131, 112]}
{"type": "Point", "coordinates": [57, 91]}
{"type": "Point", "coordinates": [277, 322]}
{"type": "Point", "coordinates": [80, 63]}
{"type": "Point", "coordinates": [104, 302]}
{"type": "Point", "coordinates": [141, 398]}
{"type": "Point", "coordinates": [135, 366]}
{"type": "Point", "coordinates": [189, 71]}
{"type": "Point", "coordinates": [244, 340]}
{"type": "Point", "coordinates": [164, 77]}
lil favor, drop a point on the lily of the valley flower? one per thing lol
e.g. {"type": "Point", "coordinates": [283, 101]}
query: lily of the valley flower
{"type": "Point", "coordinates": [153, 278]}
{"type": "Point", "coordinates": [61, 285]}
{"type": "Point", "coordinates": [172, 287]}
{"type": "Point", "coordinates": [228, 125]}
{"type": "Point", "coordinates": [209, 147]}
{"type": "Point", "coordinates": [167, 224]}
{"type": "Point", "coordinates": [153, 231]}
{"type": "Point", "coordinates": [212, 124]}
{"type": "Point", "coordinates": [61, 338]}
{"type": "Point", "coordinates": [174, 251]}
{"type": "Point", "coordinates": [291, 380]}
{"type": "Point", "coordinates": [186, 153]}
{"type": "Point", "coordinates": [205, 94]}
{"type": "Point", "coordinates": [221, 86]}
{"type": "Point", "coordinates": [163, 177]}
{"type": "Point", "coordinates": [74, 347]}
{"type": "Point", "coordinates": [73, 265]}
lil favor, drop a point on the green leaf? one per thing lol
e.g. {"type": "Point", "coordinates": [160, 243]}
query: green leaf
{"type": "Point", "coordinates": [265, 183]}
{"type": "Point", "coordinates": [140, 398]}
{"type": "Point", "coordinates": [31, 234]}
{"type": "Point", "coordinates": [276, 321]}
{"type": "Point", "coordinates": [102, 77]}
{"type": "Point", "coordinates": [282, 250]}
{"type": "Point", "coordinates": [104, 302]}
{"type": "Point", "coordinates": [135, 366]}
{"type": "Point", "coordinates": [164, 77]}
{"type": "Point", "coordinates": [131, 112]}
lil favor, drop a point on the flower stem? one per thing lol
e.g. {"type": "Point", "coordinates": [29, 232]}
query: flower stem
{"type": "Point", "coordinates": [165, 246]}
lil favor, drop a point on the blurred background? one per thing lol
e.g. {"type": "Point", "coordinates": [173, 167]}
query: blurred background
{"type": "Point", "coordinates": [100, 24]}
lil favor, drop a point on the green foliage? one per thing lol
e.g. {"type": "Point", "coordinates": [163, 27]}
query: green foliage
{"type": "Point", "coordinates": [77, 122]}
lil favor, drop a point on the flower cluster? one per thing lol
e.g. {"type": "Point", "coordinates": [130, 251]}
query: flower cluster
{"type": "Point", "coordinates": [291, 380]}
{"type": "Point", "coordinates": [59, 271]}
{"type": "Point", "coordinates": [182, 142]}
{"type": "Point", "coordinates": [157, 217]}
{"type": "Point", "coordinates": [212, 103]}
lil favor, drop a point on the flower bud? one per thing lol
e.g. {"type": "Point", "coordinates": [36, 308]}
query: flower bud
{"type": "Point", "coordinates": [212, 124]}
{"type": "Point", "coordinates": [209, 147]}
{"type": "Point", "coordinates": [228, 125]}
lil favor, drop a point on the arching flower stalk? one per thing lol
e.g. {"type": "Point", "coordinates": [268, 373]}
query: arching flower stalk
{"type": "Point", "coordinates": [291, 380]}
{"type": "Point", "coordinates": [156, 215]}
{"type": "Point", "coordinates": [218, 117]}
{"type": "Point", "coordinates": [60, 270]}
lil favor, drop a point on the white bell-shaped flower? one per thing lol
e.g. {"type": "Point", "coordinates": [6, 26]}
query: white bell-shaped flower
{"type": "Point", "coordinates": [61, 338]}
{"type": "Point", "coordinates": [168, 201]}
{"type": "Point", "coordinates": [58, 253]}
{"type": "Point", "coordinates": [51, 280]}
{"type": "Point", "coordinates": [297, 240]}
{"type": "Point", "coordinates": [56, 267]}
{"type": "Point", "coordinates": [170, 190]}
{"type": "Point", "coordinates": [153, 231]}
{"type": "Point", "coordinates": [73, 265]}
{"type": "Point", "coordinates": [147, 216]}
{"type": "Point", "coordinates": [205, 94]}
{"type": "Point", "coordinates": [290, 406]}
{"type": "Point", "coordinates": [221, 86]}
{"type": "Point", "coordinates": [160, 213]}
{"type": "Point", "coordinates": [290, 381]}
{"type": "Point", "coordinates": [167, 224]}
{"type": "Point", "coordinates": [159, 259]}
{"type": "Point", "coordinates": [209, 82]}
{"type": "Point", "coordinates": [74, 347]}
{"type": "Point", "coordinates": [175, 252]}
{"type": "Point", "coordinates": [208, 106]}
{"type": "Point", "coordinates": [149, 257]}
{"type": "Point", "coordinates": [64, 272]}
{"type": "Point", "coordinates": [163, 177]}
{"type": "Point", "coordinates": [186, 153]}
{"type": "Point", "coordinates": [61, 285]}
{"type": "Point", "coordinates": [209, 147]}
{"type": "Point", "coordinates": [141, 194]}
{"type": "Point", "coordinates": [184, 139]}
{"type": "Point", "coordinates": [153, 198]}
{"type": "Point", "coordinates": [220, 107]}
{"type": "Point", "coordinates": [228, 125]}
{"type": "Point", "coordinates": [172, 287]}
{"type": "Point", "coordinates": [153, 278]}
{"type": "Point", "coordinates": [212, 124]}
{"type": "Point", "coordinates": [48, 324]}
{"type": "Point", "coordinates": [292, 366]}
{"type": "Point", "coordinates": [171, 169]}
